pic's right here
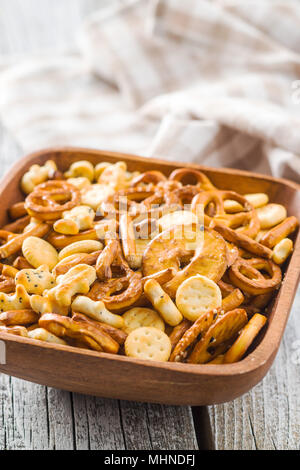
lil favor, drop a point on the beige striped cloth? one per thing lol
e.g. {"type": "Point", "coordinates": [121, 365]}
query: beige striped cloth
{"type": "Point", "coordinates": [212, 82]}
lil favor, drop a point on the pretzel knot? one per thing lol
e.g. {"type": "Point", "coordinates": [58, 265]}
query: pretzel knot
{"type": "Point", "coordinates": [49, 200]}
{"type": "Point", "coordinates": [116, 292]}
{"type": "Point", "coordinates": [213, 202]}
{"type": "Point", "coordinates": [65, 327]}
{"type": "Point", "coordinates": [202, 181]}
{"type": "Point", "coordinates": [246, 275]}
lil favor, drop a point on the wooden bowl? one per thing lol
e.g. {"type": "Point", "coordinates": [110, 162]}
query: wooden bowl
{"type": "Point", "coordinates": [113, 376]}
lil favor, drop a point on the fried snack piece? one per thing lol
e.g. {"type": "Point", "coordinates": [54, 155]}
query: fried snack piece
{"type": "Point", "coordinates": [281, 231]}
{"type": "Point", "coordinates": [37, 174]}
{"type": "Point", "coordinates": [282, 250]}
{"type": "Point", "coordinates": [14, 244]}
{"type": "Point", "coordinates": [17, 301]}
{"type": "Point", "coordinates": [43, 335]}
{"type": "Point", "coordinates": [82, 246]}
{"type": "Point", "coordinates": [18, 317]}
{"type": "Point", "coordinates": [94, 195]}
{"type": "Point", "coordinates": [69, 262]}
{"type": "Point", "coordinates": [245, 339]}
{"type": "Point", "coordinates": [60, 241]}
{"type": "Point", "coordinates": [192, 334]}
{"type": "Point", "coordinates": [77, 219]}
{"type": "Point", "coordinates": [82, 168]}
{"type": "Point", "coordinates": [196, 295]}
{"type": "Point", "coordinates": [162, 302]}
{"type": "Point", "coordinates": [205, 254]}
{"type": "Point", "coordinates": [225, 328]}
{"type": "Point", "coordinates": [246, 275]}
{"type": "Point", "coordinates": [49, 200]}
{"type": "Point", "coordinates": [37, 280]}
{"type": "Point", "coordinates": [76, 281]}
{"type": "Point", "coordinates": [65, 327]}
{"type": "Point", "coordinates": [139, 316]}
{"type": "Point", "coordinates": [15, 330]}
{"type": "Point", "coordinates": [97, 311]}
{"type": "Point", "coordinates": [43, 305]}
{"type": "Point", "coordinates": [148, 343]}
{"type": "Point", "coordinates": [271, 215]}
{"type": "Point", "coordinates": [39, 252]}
{"type": "Point", "coordinates": [118, 335]}
{"type": "Point", "coordinates": [178, 331]}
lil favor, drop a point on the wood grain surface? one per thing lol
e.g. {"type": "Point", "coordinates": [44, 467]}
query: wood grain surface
{"type": "Point", "coordinates": [37, 417]}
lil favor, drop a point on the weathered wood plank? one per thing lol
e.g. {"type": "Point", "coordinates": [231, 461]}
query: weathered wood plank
{"type": "Point", "coordinates": [268, 417]}
{"type": "Point", "coordinates": [37, 417]}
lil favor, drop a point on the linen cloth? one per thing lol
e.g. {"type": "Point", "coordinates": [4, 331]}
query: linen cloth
{"type": "Point", "coordinates": [209, 82]}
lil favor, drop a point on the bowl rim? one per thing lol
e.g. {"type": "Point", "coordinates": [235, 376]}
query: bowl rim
{"type": "Point", "coordinates": [269, 344]}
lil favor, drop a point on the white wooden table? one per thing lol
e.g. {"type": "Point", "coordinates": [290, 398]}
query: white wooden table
{"type": "Point", "coordinates": [37, 417]}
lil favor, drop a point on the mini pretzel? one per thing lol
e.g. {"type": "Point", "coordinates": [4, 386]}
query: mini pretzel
{"type": "Point", "coordinates": [225, 328]}
{"type": "Point", "coordinates": [162, 277]}
{"type": "Point", "coordinates": [232, 300]}
{"type": "Point", "coordinates": [65, 327]}
{"type": "Point", "coordinates": [243, 241]}
{"type": "Point", "coordinates": [76, 281]}
{"type": "Point", "coordinates": [44, 202]}
{"type": "Point", "coordinates": [18, 317]}
{"type": "Point", "coordinates": [18, 225]}
{"type": "Point", "coordinates": [178, 331]}
{"type": "Point", "coordinates": [111, 252]}
{"type": "Point", "coordinates": [281, 231]}
{"type": "Point", "coordinates": [13, 245]}
{"type": "Point", "coordinates": [14, 330]}
{"type": "Point", "coordinates": [61, 241]}
{"type": "Point", "coordinates": [118, 335]}
{"type": "Point", "coordinates": [202, 180]}
{"type": "Point", "coordinates": [246, 275]}
{"type": "Point", "coordinates": [7, 284]}
{"type": "Point", "coordinates": [153, 177]}
{"type": "Point", "coordinates": [128, 242]}
{"type": "Point", "coordinates": [17, 210]}
{"type": "Point", "coordinates": [246, 219]}
{"type": "Point", "coordinates": [96, 311]}
{"type": "Point", "coordinates": [196, 331]}
{"type": "Point", "coordinates": [245, 339]}
{"type": "Point", "coordinates": [78, 258]}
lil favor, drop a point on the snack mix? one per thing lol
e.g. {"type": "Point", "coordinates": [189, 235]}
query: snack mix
{"type": "Point", "coordinates": [140, 264]}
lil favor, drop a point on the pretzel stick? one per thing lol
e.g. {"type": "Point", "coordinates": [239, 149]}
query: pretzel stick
{"type": "Point", "coordinates": [278, 233]}
{"type": "Point", "coordinates": [128, 242]}
{"type": "Point", "coordinates": [18, 225]}
{"type": "Point", "coordinates": [17, 210]}
{"type": "Point", "coordinates": [15, 244]}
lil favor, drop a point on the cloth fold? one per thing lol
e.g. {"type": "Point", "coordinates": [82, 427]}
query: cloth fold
{"type": "Point", "coordinates": [212, 82]}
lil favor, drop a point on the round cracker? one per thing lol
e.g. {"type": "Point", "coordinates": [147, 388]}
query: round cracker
{"type": "Point", "coordinates": [138, 317]}
{"type": "Point", "coordinates": [148, 343]}
{"type": "Point", "coordinates": [197, 295]}
{"type": "Point", "coordinates": [38, 252]}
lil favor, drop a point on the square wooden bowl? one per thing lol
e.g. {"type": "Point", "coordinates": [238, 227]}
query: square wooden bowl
{"type": "Point", "coordinates": [114, 376]}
